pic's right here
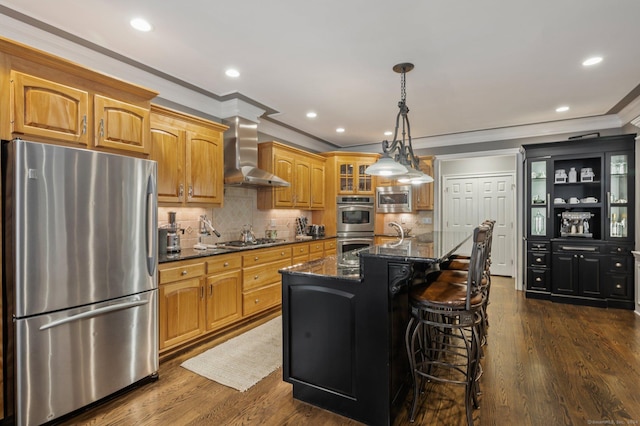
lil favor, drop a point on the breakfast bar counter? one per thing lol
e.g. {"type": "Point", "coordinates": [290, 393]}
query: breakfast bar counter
{"type": "Point", "coordinates": [344, 323]}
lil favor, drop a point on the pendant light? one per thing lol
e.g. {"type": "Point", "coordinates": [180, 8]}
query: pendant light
{"type": "Point", "coordinates": [404, 165]}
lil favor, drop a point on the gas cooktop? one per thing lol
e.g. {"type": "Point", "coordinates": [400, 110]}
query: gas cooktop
{"type": "Point", "coordinates": [243, 244]}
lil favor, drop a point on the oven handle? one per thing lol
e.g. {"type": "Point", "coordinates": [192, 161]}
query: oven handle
{"type": "Point", "coordinates": [349, 206]}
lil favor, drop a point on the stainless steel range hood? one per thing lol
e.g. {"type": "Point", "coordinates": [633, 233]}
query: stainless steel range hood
{"type": "Point", "coordinates": [241, 156]}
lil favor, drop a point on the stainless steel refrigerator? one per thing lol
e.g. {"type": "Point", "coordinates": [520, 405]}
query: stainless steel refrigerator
{"type": "Point", "coordinates": [79, 277]}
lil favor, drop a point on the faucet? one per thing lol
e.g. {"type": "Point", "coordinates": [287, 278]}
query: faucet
{"type": "Point", "coordinates": [399, 229]}
{"type": "Point", "coordinates": [204, 224]}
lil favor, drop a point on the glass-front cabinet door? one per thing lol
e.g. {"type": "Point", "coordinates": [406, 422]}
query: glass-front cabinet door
{"type": "Point", "coordinates": [539, 202]}
{"type": "Point", "coordinates": [619, 193]}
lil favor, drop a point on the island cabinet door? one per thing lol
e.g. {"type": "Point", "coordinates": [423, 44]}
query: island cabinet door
{"type": "Point", "coordinates": [321, 337]}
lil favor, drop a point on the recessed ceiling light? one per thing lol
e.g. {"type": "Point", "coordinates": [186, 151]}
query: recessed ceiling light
{"type": "Point", "coordinates": [340, 130]}
{"type": "Point", "coordinates": [140, 24]}
{"type": "Point", "coordinates": [592, 61]}
{"type": "Point", "coordinates": [562, 108]}
{"type": "Point", "coordinates": [388, 133]}
{"type": "Point", "coordinates": [232, 73]}
{"type": "Point", "coordinates": [311, 114]}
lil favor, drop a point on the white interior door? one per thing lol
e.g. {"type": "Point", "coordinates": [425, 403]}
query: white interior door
{"type": "Point", "coordinates": [467, 201]}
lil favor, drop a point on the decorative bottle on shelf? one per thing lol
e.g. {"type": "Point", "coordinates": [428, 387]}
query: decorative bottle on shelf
{"type": "Point", "coordinates": [573, 175]}
{"type": "Point", "coordinates": [539, 224]}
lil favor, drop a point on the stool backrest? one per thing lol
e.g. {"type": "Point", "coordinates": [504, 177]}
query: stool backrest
{"type": "Point", "coordinates": [478, 261]}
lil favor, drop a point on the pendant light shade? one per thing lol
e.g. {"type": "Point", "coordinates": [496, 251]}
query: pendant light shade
{"type": "Point", "coordinates": [386, 166]}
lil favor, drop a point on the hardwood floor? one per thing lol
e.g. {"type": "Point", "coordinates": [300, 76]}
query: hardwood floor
{"type": "Point", "coordinates": [545, 363]}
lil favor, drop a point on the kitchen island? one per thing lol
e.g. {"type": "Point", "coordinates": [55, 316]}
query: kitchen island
{"type": "Point", "coordinates": [344, 323]}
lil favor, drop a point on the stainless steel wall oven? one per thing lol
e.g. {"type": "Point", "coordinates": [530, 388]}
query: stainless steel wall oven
{"type": "Point", "coordinates": [355, 215]}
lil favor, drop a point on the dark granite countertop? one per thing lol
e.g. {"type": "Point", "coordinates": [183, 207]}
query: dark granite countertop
{"type": "Point", "coordinates": [190, 253]}
{"type": "Point", "coordinates": [431, 247]}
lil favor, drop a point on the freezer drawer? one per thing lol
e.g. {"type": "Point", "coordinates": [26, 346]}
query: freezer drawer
{"type": "Point", "coordinates": [71, 358]}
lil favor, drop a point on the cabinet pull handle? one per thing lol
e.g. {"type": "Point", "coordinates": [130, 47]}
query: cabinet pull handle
{"type": "Point", "coordinates": [202, 292]}
{"type": "Point", "coordinates": [618, 265]}
{"type": "Point", "coordinates": [576, 248]}
{"type": "Point", "coordinates": [548, 205]}
{"type": "Point", "coordinates": [184, 272]}
{"type": "Point", "coordinates": [102, 127]}
{"type": "Point", "coordinates": [84, 124]}
{"type": "Point", "coordinates": [608, 205]}
{"type": "Point", "coordinates": [181, 191]}
{"type": "Point", "coordinates": [211, 290]}
{"type": "Point", "coordinates": [225, 264]}
{"type": "Point", "coordinates": [190, 191]}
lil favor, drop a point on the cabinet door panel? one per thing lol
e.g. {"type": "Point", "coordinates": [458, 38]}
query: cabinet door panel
{"type": "Point", "coordinates": [224, 302]}
{"type": "Point", "coordinates": [120, 125]}
{"type": "Point", "coordinates": [47, 109]}
{"type": "Point", "coordinates": [167, 149]}
{"type": "Point", "coordinates": [181, 312]}
{"type": "Point", "coordinates": [204, 171]}
{"type": "Point", "coordinates": [317, 186]}
{"type": "Point", "coordinates": [284, 168]}
{"type": "Point", "coordinates": [564, 279]}
{"type": "Point", "coordinates": [589, 276]}
{"type": "Point", "coordinates": [302, 184]}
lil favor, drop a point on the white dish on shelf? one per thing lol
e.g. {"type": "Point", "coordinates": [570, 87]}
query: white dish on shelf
{"type": "Point", "coordinates": [589, 200]}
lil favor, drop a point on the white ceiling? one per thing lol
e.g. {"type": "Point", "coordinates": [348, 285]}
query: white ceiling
{"type": "Point", "coordinates": [478, 64]}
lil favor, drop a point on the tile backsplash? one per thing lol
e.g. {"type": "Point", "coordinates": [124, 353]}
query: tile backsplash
{"type": "Point", "coordinates": [240, 208]}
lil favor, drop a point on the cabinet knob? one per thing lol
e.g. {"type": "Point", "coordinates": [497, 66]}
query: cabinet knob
{"type": "Point", "coordinates": [618, 286]}
{"type": "Point", "coordinates": [538, 259]}
{"type": "Point", "coordinates": [281, 253]}
{"type": "Point", "coordinates": [619, 249]}
{"type": "Point", "coordinates": [184, 272]}
{"type": "Point", "coordinates": [257, 301]}
{"type": "Point", "coordinates": [255, 258]}
{"type": "Point", "coordinates": [582, 256]}
{"type": "Point", "coordinates": [225, 264]}
{"type": "Point", "coordinates": [538, 279]}
{"type": "Point", "coordinates": [255, 277]}
{"type": "Point", "coordinates": [301, 250]}
{"type": "Point", "coordinates": [618, 264]}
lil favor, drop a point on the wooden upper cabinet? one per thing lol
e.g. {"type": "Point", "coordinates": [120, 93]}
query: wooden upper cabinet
{"type": "Point", "coordinates": [204, 167]}
{"type": "Point", "coordinates": [317, 185]}
{"type": "Point", "coordinates": [43, 108]}
{"type": "Point", "coordinates": [301, 169]}
{"type": "Point", "coordinates": [189, 153]}
{"type": "Point", "coordinates": [168, 150]}
{"type": "Point", "coordinates": [424, 192]}
{"type": "Point", "coordinates": [121, 125]}
{"type": "Point", "coordinates": [350, 177]}
{"type": "Point", "coordinates": [302, 183]}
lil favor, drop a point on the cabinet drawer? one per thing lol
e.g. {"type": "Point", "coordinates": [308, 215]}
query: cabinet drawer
{"type": "Point", "coordinates": [620, 264]}
{"type": "Point", "coordinates": [539, 246]}
{"type": "Point", "coordinates": [619, 286]}
{"type": "Point", "coordinates": [538, 259]}
{"type": "Point", "coordinates": [300, 250]}
{"type": "Point", "coordinates": [259, 257]}
{"type": "Point", "coordinates": [618, 249]}
{"type": "Point", "coordinates": [316, 255]}
{"type": "Point", "coordinates": [178, 273]}
{"type": "Point", "coordinates": [261, 299]}
{"type": "Point", "coordinates": [263, 275]}
{"type": "Point", "coordinates": [223, 263]}
{"type": "Point", "coordinates": [330, 245]}
{"type": "Point", "coordinates": [300, 259]}
{"type": "Point", "coordinates": [316, 247]}
{"type": "Point", "coordinates": [538, 279]}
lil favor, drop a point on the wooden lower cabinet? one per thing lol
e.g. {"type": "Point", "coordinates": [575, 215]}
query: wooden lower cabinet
{"type": "Point", "coordinates": [181, 312]}
{"type": "Point", "coordinates": [223, 302]}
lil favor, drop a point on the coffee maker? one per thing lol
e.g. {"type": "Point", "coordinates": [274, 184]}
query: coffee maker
{"type": "Point", "coordinates": [169, 236]}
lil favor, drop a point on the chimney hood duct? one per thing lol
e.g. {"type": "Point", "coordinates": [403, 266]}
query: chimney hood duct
{"type": "Point", "coordinates": [241, 156]}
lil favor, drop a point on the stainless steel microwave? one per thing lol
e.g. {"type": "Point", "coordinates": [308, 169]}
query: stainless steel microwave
{"type": "Point", "coordinates": [394, 199]}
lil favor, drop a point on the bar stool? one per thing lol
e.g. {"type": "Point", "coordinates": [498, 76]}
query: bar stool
{"type": "Point", "coordinates": [443, 336]}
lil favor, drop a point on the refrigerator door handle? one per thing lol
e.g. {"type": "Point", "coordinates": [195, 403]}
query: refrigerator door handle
{"type": "Point", "coordinates": [94, 313]}
{"type": "Point", "coordinates": [152, 220]}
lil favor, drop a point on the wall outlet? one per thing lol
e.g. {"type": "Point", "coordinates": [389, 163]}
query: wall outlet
{"type": "Point", "coordinates": [272, 223]}
{"type": "Point", "coordinates": [426, 220]}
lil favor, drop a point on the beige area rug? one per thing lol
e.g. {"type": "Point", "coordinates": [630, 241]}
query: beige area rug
{"type": "Point", "coordinates": [244, 360]}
